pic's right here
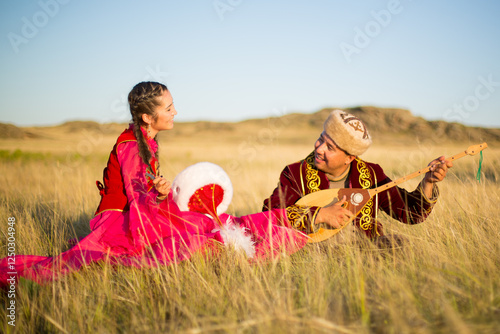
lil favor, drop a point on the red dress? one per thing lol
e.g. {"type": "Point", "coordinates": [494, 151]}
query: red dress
{"type": "Point", "coordinates": [142, 232]}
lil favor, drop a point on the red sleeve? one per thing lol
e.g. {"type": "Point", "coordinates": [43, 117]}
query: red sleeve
{"type": "Point", "coordinates": [407, 207]}
{"type": "Point", "coordinates": [285, 195]}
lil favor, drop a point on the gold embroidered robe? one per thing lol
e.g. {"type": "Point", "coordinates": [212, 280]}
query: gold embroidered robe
{"type": "Point", "coordinates": [302, 178]}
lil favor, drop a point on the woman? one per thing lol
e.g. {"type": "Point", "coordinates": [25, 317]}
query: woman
{"type": "Point", "coordinates": [137, 222]}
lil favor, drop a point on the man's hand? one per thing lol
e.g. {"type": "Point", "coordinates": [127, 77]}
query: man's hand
{"type": "Point", "coordinates": [335, 215]}
{"type": "Point", "coordinates": [437, 173]}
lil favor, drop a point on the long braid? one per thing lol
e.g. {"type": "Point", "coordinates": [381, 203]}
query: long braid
{"type": "Point", "coordinates": [143, 99]}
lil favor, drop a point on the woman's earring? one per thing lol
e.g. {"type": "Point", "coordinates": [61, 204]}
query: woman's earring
{"type": "Point", "coordinates": [148, 130]}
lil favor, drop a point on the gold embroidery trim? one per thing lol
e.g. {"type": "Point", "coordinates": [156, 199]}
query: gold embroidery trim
{"type": "Point", "coordinates": [102, 211]}
{"type": "Point", "coordinates": [366, 216]}
{"type": "Point", "coordinates": [364, 174]}
{"type": "Point", "coordinates": [302, 179]}
{"type": "Point", "coordinates": [312, 176]}
{"type": "Point", "coordinates": [297, 216]}
{"type": "Point", "coordinates": [365, 221]}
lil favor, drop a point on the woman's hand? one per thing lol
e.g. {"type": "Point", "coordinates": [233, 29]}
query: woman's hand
{"type": "Point", "coordinates": [162, 186]}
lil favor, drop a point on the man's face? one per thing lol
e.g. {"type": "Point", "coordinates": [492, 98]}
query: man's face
{"type": "Point", "coordinates": [328, 157]}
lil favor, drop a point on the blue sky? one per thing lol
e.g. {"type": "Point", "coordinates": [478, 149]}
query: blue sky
{"type": "Point", "coordinates": [230, 60]}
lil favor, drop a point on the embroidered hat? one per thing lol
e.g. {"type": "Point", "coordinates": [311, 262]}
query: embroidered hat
{"type": "Point", "coordinates": [203, 187]}
{"type": "Point", "coordinates": [348, 132]}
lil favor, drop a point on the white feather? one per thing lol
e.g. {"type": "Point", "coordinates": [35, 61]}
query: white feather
{"type": "Point", "coordinates": [235, 236]}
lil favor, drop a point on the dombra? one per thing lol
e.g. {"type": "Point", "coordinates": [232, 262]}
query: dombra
{"type": "Point", "coordinates": [357, 198]}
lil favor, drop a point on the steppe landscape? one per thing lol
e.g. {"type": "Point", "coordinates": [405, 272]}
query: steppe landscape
{"type": "Point", "coordinates": [445, 278]}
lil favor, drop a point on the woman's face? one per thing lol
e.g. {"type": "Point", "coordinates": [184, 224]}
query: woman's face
{"type": "Point", "coordinates": [165, 112]}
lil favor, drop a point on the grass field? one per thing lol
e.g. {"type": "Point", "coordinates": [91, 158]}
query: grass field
{"type": "Point", "coordinates": [446, 278]}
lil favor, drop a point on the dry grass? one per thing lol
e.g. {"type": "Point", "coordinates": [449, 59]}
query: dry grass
{"type": "Point", "coordinates": [445, 278]}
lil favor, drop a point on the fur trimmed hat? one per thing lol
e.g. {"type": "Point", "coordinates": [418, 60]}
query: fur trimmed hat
{"type": "Point", "coordinates": [203, 187]}
{"type": "Point", "coordinates": [348, 132]}
{"type": "Point", "coordinates": [206, 188]}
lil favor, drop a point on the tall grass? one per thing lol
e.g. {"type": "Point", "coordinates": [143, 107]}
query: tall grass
{"type": "Point", "coordinates": [445, 278]}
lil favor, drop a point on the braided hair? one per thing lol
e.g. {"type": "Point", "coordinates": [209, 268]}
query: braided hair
{"type": "Point", "coordinates": [143, 99]}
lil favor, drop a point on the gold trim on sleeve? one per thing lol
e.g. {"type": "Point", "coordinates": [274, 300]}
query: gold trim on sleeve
{"type": "Point", "coordinates": [297, 216]}
{"type": "Point", "coordinates": [435, 193]}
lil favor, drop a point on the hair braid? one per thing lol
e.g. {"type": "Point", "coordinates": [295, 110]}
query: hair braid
{"type": "Point", "coordinates": [143, 99]}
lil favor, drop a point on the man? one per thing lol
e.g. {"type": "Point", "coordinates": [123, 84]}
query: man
{"type": "Point", "coordinates": [335, 163]}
